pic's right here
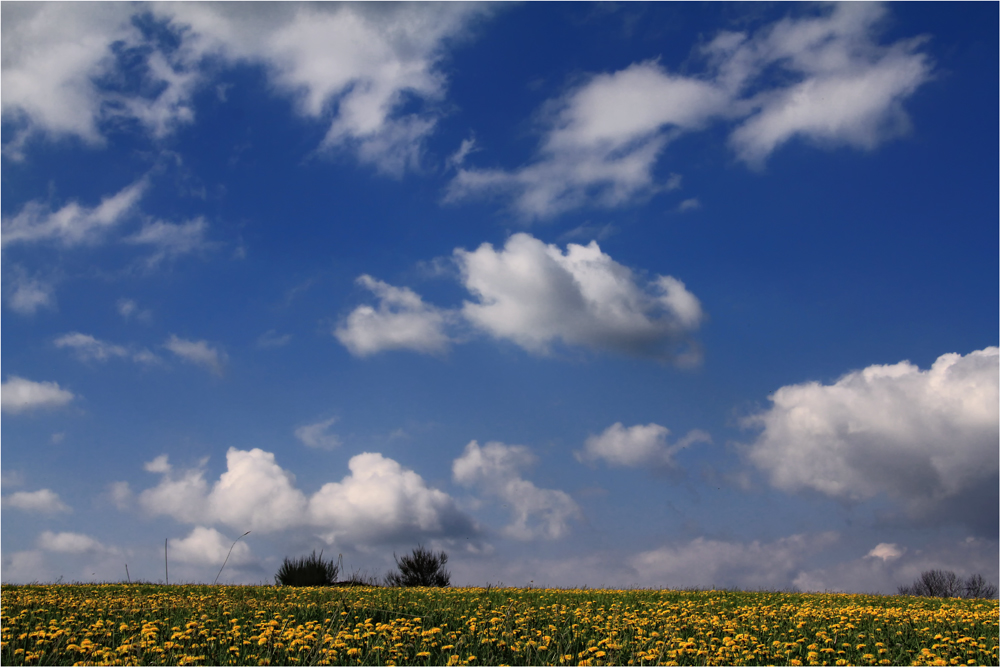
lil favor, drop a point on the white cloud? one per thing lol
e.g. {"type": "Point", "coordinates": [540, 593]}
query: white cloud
{"type": "Point", "coordinates": [72, 224]}
{"type": "Point", "coordinates": [73, 543]}
{"type": "Point", "coordinates": [379, 501]}
{"type": "Point", "coordinates": [824, 78]}
{"type": "Point", "coordinates": [402, 321]}
{"type": "Point", "coordinates": [496, 469]}
{"type": "Point", "coordinates": [534, 295]}
{"type": "Point", "coordinates": [128, 309]}
{"type": "Point", "coordinates": [160, 464]}
{"type": "Point", "coordinates": [636, 446]}
{"type": "Point", "coordinates": [888, 566]}
{"type": "Point", "coordinates": [270, 338]}
{"type": "Point", "coordinates": [44, 501]}
{"type": "Point", "coordinates": [458, 157]}
{"type": "Point", "coordinates": [207, 546]}
{"type": "Point", "coordinates": [603, 140]}
{"type": "Point", "coordinates": [51, 53]}
{"type": "Point", "coordinates": [848, 90]}
{"type": "Point", "coordinates": [120, 494]}
{"type": "Point", "coordinates": [925, 438]}
{"type": "Point", "coordinates": [354, 67]}
{"type": "Point", "coordinates": [170, 240]}
{"type": "Point", "coordinates": [689, 205]}
{"type": "Point", "coordinates": [25, 295]}
{"type": "Point", "coordinates": [19, 395]}
{"type": "Point", "coordinates": [88, 348]}
{"type": "Point", "coordinates": [886, 551]}
{"type": "Point", "coordinates": [318, 435]}
{"type": "Point", "coordinates": [711, 563]}
{"type": "Point", "coordinates": [197, 352]}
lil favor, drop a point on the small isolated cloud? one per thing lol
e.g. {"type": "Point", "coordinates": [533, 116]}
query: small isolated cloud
{"type": "Point", "coordinates": [380, 501]}
{"type": "Point", "coordinates": [120, 494]}
{"type": "Point", "coordinates": [207, 546]}
{"type": "Point", "coordinates": [534, 295]}
{"type": "Point", "coordinates": [823, 78]}
{"type": "Point", "coordinates": [20, 395]}
{"type": "Point", "coordinates": [169, 240]}
{"type": "Point", "coordinates": [886, 551]}
{"type": "Point", "coordinates": [318, 435]}
{"type": "Point", "coordinates": [458, 157]}
{"type": "Point", "coordinates": [88, 348]}
{"type": "Point", "coordinates": [129, 309]}
{"type": "Point", "coordinates": [271, 339]}
{"type": "Point", "coordinates": [925, 438]}
{"type": "Point", "coordinates": [402, 321]}
{"type": "Point", "coordinates": [161, 464]}
{"type": "Point", "coordinates": [198, 352]}
{"type": "Point", "coordinates": [637, 446]}
{"type": "Point", "coordinates": [43, 501]}
{"type": "Point", "coordinates": [25, 294]}
{"type": "Point", "coordinates": [70, 543]}
{"type": "Point", "coordinates": [689, 205]}
{"type": "Point", "coordinates": [496, 469]}
{"type": "Point", "coordinates": [73, 224]}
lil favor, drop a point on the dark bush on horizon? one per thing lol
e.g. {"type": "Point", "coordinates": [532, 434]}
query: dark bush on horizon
{"type": "Point", "coordinates": [421, 568]}
{"type": "Point", "coordinates": [946, 584]}
{"type": "Point", "coordinates": [307, 571]}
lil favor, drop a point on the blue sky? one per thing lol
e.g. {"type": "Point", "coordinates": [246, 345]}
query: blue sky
{"type": "Point", "coordinates": [660, 295]}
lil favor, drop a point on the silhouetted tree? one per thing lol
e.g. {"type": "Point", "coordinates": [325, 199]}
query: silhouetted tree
{"type": "Point", "coordinates": [420, 568]}
{"type": "Point", "coordinates": [946, 584]}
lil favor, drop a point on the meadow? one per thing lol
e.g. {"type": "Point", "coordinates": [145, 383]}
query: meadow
{"type": "Point", "coordinates": [139, 624]}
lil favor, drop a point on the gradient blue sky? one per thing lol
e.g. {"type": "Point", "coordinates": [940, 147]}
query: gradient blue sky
{"type": "Point", "coordinates": [661, 295]}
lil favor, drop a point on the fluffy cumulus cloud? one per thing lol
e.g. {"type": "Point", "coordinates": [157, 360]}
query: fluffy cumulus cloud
{"type": "Point", "coordinates": [43, 501]}
{"type": "Point", "coordinates": [495, 469]}
{"type": "Point", "coordinates": [823, 78]}
{"type": "Point", "coordinates": [198, 352]}
{"type": "Point", "coordinates": [402, 321]}
{"type": "Point", "coordinates": [925, 438]}
{"type": "Point", "coordinates": [358, 69]}
{"type": "Point", "coordinates": [73, 543]}
{"type": "Point", "coordinates": [20, 395]}
{"type": "Point", "coordinates": [535, 295]}
{"type": "Point", "coordinates": [636, 446]}
{"type": "Point", "coordinates": [379, 501]}
{"type": "Point", "coordinates": [207, 546]}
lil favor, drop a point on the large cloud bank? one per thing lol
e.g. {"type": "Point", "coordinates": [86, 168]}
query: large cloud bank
{"type": "Point", "coordinates": [352, 67]}
{"type": "Point", "coordinates": [822, 78]}
{"type": "Point", "coordinates": [925, 438]}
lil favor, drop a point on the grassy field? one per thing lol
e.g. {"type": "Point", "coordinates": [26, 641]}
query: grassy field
{"type": "Point", "coordinates": [250, 625]}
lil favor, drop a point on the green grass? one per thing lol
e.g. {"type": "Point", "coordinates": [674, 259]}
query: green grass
{"type": "Point", "coordinates": [243, 625]}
